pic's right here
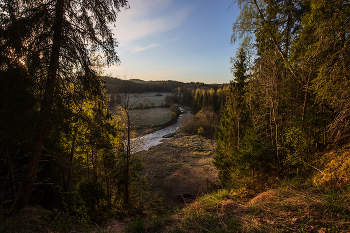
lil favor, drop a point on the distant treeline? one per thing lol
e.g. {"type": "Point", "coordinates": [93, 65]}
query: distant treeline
{"type": "Point", "coordinates": [117, 85]}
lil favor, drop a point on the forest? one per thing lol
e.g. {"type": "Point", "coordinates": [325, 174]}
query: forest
{"type": "Point", "coordinates": [285, 116]}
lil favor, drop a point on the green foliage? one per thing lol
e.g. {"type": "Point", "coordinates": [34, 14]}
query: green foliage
{"type": "Point", "coordinates": [323, 47]}
{"type": "Point", "coordinates": [292, 100]}
{"type": "Point", "coordinates": [256, 152]}
{"type": "Point", "coordinates": [336, 170]}
{"type": "Point", "coordinates": [233, 120]}
{"type": "Point", "coordinates": [296, 146]}
{"type": "Point", "coordinates": [91, 192]}
{"type": "Point", "coordinates": [137, 226]}
{"type": "Point", "coordinates": [175, 111]}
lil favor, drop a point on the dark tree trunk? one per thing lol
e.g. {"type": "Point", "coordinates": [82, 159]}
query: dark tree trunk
{"type": "Point", "coordinates": [45, 112]}
{"type": "Point", "coordinates": [71, 165]}
{"type": "Point", "coordinates": [12, 176]}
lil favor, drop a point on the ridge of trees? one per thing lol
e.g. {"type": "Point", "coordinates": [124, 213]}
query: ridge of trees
{"type": "Point", "coordinates": [114, 85]}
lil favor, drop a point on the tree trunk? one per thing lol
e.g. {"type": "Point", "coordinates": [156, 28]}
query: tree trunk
{"type": "Point", "coordinates": [305, 97]}
{"type": "Point", "coordinates": [126, 194]}
{"type": "Point", "coordinates": [45, 112]}
{"type": "Point", "coordinates": [128, 147]}
{"type": "Point", "coordinates": [71, 165]}
{"type": "Point", "coordinates": [12, 176]}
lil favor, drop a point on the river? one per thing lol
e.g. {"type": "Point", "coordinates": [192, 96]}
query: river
{"type": "Point", "coordinates": [150, 140]}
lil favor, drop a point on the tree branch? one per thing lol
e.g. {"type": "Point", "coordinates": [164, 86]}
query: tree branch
{"type": "Point", "coordinates": [276, 44]}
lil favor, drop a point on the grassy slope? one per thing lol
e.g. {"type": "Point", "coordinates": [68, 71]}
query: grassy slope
{"type": "Point", "coordinates": [180, 168]}
{"type": "Point", "coordinates": [288, 208]}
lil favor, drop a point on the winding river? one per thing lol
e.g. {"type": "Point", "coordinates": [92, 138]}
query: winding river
{"type": "Point", "coordinates": [150, 140]}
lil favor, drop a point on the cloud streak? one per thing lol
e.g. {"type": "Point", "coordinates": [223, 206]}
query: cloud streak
{"type": "Point", "coordinates": [138, 49]}
{"type": "Point", "coordinates": [147, 17]}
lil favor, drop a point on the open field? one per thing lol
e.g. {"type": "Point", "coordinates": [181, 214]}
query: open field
{"type": "Point", "coordinates": [151, 116]}
{"type": "Point", "coordinates": [148, 99]}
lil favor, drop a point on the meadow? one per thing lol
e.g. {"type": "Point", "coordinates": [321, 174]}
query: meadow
{"type": "Point", "coordinates": [147, 99]}
{"type": "Point", "coordinates": [151, 116]}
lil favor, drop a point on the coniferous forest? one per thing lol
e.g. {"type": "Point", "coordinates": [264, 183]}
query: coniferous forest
{"type": "Point", "coordinates": [284, 117]}
{"type": "Point", "coordinates": [289, 99]}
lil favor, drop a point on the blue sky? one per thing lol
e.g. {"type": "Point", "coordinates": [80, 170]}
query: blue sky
{"type": "Point", "coordinates": [182, 40]}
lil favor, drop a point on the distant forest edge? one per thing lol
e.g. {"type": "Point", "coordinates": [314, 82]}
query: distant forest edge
{"type": "Point", "coordinates": [117, 85]}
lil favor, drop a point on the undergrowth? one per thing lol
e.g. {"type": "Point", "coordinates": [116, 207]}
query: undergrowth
{"type": "Point", "coordinates": [292, 207]}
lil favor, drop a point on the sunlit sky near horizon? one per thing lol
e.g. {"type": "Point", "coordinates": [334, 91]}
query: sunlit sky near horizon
{"type": "Point", "coordinates": [182, 40]}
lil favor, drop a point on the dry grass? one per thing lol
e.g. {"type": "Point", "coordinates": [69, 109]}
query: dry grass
{"type": "Point", "coordinates": [336, 172]}
{"type": "Point", "coordinates": [289, 208]}
{"type": "Point", "coordinates": [181, 168]}
{"type": "Point", "coordinates": [301, 209]}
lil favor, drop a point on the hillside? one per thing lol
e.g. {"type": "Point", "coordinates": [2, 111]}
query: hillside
{"type": "Point", "coordinates": [291, 207]}
{"type": "Point", "coordinates": [179, 172]}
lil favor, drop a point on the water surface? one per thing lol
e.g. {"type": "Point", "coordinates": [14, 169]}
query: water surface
{"type": "Point", "coordinates": [150, 140]}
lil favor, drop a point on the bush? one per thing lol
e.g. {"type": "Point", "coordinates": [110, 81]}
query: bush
{"type": "Point", "coordinates": [203, 123]}
{"type": "Point", "coordinates": [174, 108]}
{"type": "Point", "coordinates": [297, 151]}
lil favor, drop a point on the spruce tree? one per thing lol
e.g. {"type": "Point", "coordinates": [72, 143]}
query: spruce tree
{"type": "Point", "coordinates": [232, 120]}
{"type": "Point", "coordinates": [56, 41]}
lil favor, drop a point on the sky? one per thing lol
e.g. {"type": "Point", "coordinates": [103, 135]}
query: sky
{"type": "Point", "coordinates": [181, 40]}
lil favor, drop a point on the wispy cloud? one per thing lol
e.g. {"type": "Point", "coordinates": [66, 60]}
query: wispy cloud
{"type": "Point", "coordinates": [138, 49]}
{"type": "Point", "coordinates": [149, 17]}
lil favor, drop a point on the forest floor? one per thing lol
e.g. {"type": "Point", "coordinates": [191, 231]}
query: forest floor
{"type": "Point", "coordinates": [291, 207]}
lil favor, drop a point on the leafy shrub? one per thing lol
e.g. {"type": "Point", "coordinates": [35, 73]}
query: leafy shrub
{"type": "Point", "coordinates": [175, 108]}
{"type": "Point", "coordinates": [203, 123]}
{"type": "Point", "coordinates": [297, 151]}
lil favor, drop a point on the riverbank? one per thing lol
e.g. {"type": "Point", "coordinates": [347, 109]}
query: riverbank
{"type": "Point", "coordinates": [152, 124]}
{"type": "Point", "coordinates": [153, 137]}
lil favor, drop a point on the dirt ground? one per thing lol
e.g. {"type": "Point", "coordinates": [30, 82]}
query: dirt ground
{"type": "Point", "coordinates": [180, 169]}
